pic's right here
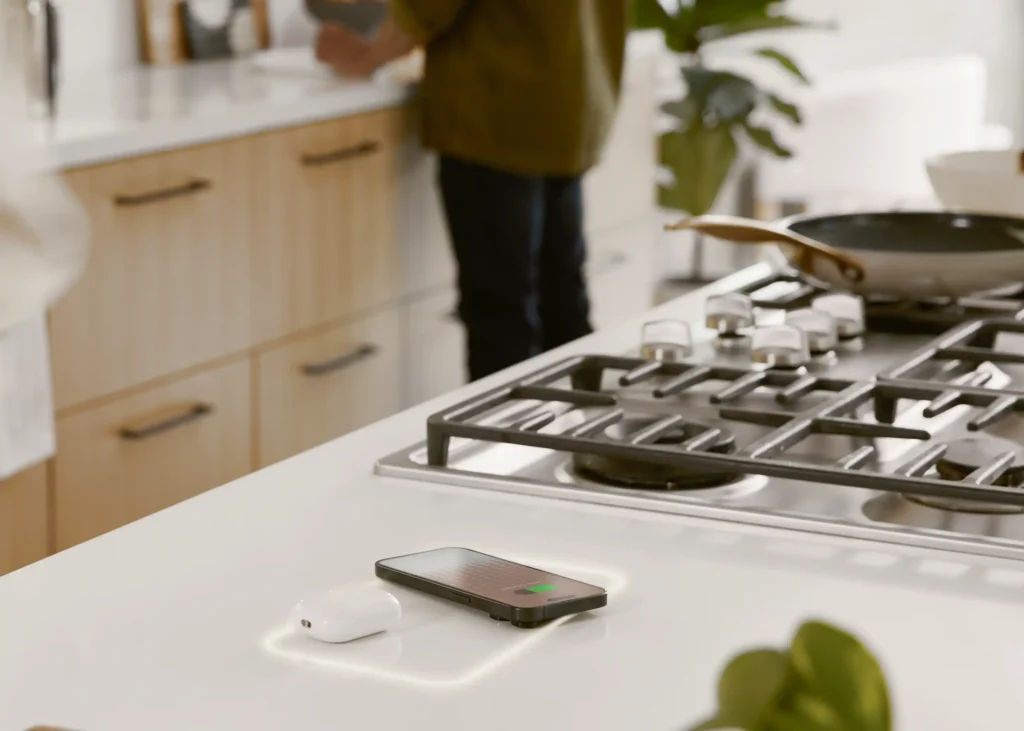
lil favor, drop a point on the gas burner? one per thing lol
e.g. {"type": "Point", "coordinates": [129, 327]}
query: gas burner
{"type": "Point", "coordinates": [642, 474]}
{"type": "Point", "coordinates": [965, 457]}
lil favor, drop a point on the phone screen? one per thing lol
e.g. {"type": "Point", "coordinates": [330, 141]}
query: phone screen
{"type": "Point", "coordinates": [491, 578]}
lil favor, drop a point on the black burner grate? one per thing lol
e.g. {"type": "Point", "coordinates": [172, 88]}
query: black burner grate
{"type": "Point", "coordinates": [790, 290]}
{"type": "Point", "coordinates": [768, 455]}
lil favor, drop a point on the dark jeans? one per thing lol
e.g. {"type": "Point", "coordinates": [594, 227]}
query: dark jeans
{"type": "Point", "coordinates": [520, 248]}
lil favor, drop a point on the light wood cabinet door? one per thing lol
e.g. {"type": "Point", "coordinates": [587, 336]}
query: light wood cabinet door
{"type": "Point", "coordinates": [318, 388]}
{"type": "Point", "coordinates": [325, 196]}
{"type": "Point", "coordinates": [167, 286]}
{"type": "Point", "coordinates": [142, 453]}
{"type": "Point", "coordinates": [24, 523]}
{"type": "Point", "coordinates": [436, 346]}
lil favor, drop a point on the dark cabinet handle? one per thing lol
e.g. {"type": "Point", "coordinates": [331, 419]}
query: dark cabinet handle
{"type": "Point", "coordinates": [340, 362]}
{"type": "Point", "coordinates": [190, 188]}
{"type": "Point", "coordinates": [194, 413]}
{"type": "Point", "coordinates": [363, 149]}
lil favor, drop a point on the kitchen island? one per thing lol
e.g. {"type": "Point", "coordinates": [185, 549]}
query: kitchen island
{"type": "Point", "coordinates": [174, 622]}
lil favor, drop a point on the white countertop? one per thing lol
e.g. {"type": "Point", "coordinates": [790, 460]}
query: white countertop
{"type": "Point", "coordinates": [173, 622]}
{"type": "Point", "coordinates": [142, 110]}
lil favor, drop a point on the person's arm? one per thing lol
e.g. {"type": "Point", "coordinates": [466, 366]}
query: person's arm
{"type": "Point", "coordinates": [427, 19]}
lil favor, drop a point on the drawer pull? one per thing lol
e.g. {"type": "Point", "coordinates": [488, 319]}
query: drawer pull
{"type": "Point", "coordinates": [340, 362]}
{"type": "Point", "coordinates": [190, 188]}
{"type": "Point", "coordinates": [363, 149]}
{"type": "Point", "coordinates": [194, 412]}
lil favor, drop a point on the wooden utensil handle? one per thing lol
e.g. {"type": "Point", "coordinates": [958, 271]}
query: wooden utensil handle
{"type": "Point", "coordinates": [751, 231]}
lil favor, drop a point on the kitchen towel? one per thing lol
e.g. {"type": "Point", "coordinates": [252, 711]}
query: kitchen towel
{"type": "Point", "coordinates": [44, 237]}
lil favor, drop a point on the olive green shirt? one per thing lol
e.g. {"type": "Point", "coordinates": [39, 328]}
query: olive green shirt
{"type": "Point", "coordinates": [523, 86]}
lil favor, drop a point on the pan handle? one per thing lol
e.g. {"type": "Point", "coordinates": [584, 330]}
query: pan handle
{"type": "Point", "coordinates": [751, 231]}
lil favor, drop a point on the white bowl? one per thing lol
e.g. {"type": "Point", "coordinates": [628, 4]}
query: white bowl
{"type": "Point", "coordinates": [979, 181]}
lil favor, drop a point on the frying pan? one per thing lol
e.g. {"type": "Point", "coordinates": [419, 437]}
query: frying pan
{"type": "Point", "coordinates": [909, 255]}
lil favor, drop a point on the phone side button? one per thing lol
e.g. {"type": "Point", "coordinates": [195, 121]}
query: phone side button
{"type": "Point", "coordinates": [461, 598]}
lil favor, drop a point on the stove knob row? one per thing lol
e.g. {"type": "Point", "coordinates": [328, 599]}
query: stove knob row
{"type": "Point", "coordinates": [846, 309]}
{"type": "Point", "coordinates": [666, 341]}
{"type": "Point", "coordinates": [729, 314]}
{"type": "Point", "coordinates": [820, 329]}
{"type": "Point", "coordinates": [780, 346]}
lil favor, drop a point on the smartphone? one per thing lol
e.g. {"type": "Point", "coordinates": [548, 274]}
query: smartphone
{"type": "Point", "coordinates": [525, 596]}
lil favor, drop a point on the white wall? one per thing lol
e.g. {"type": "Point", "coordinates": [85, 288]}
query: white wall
{"type": "Point", "coordinates": [875, 31]}
{"type": "Point", "coordinates": [101, 34]}
{"type": "Point", "coordinates": [97, 35]}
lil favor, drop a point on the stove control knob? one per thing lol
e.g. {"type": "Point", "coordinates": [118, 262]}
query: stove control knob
{"type": "Point", "coordinates": [847, 310]}
{"type": "Point", "coordinates": [780, 346]}
{"type": "Point", "coordinates": [819, 327]}
{"type": "Point", "coordinates": [668, 341]}
{"type": "Point", "coordinates": [727, 314]}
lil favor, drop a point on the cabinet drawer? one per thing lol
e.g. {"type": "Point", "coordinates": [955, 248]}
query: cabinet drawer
{"type": "Point", "coordinates": [24, 525]}
{"type": "Point", "coordinates": [170, 253]}
{"type": "Point", "coordinates": [326, 246]}
{"type": "Point", "coordinates": [321, 387]}
{"type": "Point", "coordinates": [122, 461]}
{"type": "Point", "coordinates": [435, 347]}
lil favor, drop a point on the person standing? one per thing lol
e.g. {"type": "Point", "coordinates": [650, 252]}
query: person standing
{"type": "Point", "coordinates": [518, 98]}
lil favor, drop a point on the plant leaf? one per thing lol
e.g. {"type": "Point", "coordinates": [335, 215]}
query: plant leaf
{"type": "Point", "coordinates": [700, 159]}
{"type": "Point", "coordinates": [651, 14]}
{"type": "Point", "coordinates": [763, 138]}
{"type": "Point", "coordinates": [687, 111]}
{"type": "Point", "coordinates": [841, 673]}
{"type": "Point", "coordinates": [784, 61]}
{"type": "Point", "coordinates": [750, 688]}
{"type": "Point", "coordinates": [720, 96]}
{"type": "Point", "coordinates": [717, 12]}
{"type": "Point", "coordinates": [772, 22]}
{"type": "Point", "coordinates": [785, 108]}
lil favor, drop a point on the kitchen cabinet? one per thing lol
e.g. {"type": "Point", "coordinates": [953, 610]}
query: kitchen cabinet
{"type": "Point", "coordinates": [123, 460]}
{"type": "Point", "coordinates": [24, 521]}
{"type": "Point", "coordinates": [324, 195]}
{"type": "Point", "coordinates": [435, 343]}
{"type": "Point", "coordinates": [167, 285]}
{"type": "Point", "coordinates": [320, 387]}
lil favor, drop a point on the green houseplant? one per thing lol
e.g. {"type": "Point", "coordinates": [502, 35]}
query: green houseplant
{"type": "Point", "coordinates": [826, 680]}
{"type": "Point", "coordinates": [719, 107]}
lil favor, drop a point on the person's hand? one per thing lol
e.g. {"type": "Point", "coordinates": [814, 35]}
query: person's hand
{"type": "Point", "coordinates": [348, 53]}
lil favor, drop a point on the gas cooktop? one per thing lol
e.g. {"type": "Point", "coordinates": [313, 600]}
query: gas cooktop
{"type": "Point", "coordinates": [787, 413]}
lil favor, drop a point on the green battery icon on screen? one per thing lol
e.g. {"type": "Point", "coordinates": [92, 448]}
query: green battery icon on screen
{"type": "Point", "coordinates": [541, 588]}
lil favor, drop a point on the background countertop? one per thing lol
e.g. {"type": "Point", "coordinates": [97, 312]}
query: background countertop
{"type": "Point", "coordinates": [140, 110]}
